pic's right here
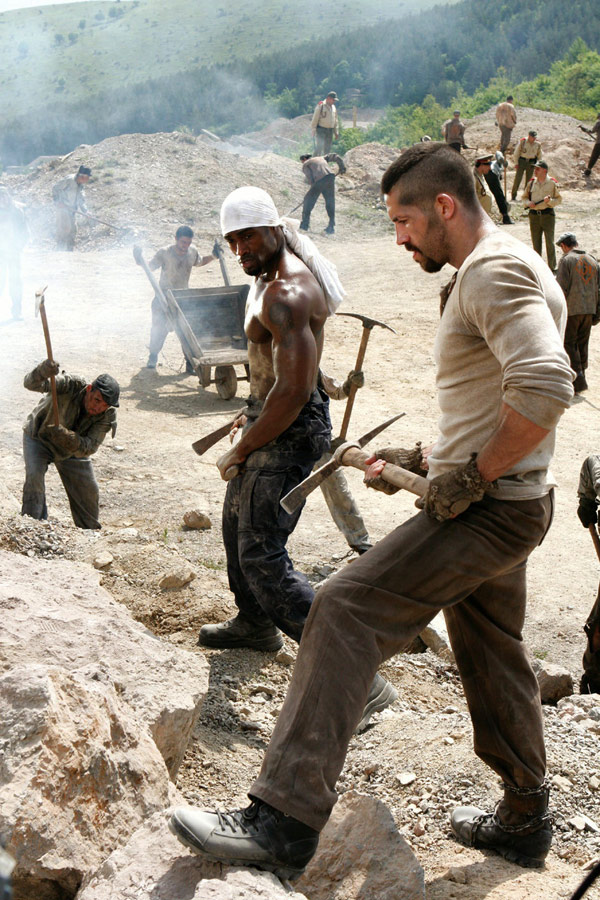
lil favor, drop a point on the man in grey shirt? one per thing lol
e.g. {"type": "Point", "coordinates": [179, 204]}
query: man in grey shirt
{"type": "Point", "coordinates": [578, 276]}
{"type": "Point", "coordinates": [69, 198]}
{"type": "Point", "coordinates": [503, 381]}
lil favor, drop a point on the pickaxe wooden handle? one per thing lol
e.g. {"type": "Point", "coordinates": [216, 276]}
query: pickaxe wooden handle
{"type": "Point", "coordinates": [368, 325]}
{"type": "Point", "coordinates": [40, 305]}
{"type": "Point", "coordinates": [205, 443]}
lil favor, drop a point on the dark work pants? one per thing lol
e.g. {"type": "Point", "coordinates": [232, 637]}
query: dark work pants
{"type": "Point", "coordinates": [473, 568]}
{"type": "Point", "coordinates": [256, 528]}
{"type": "Point", "coordinates": [323, 140]}
{"type": "Point", "coordinates": [496, 189]}
{"type": "Point", "coordinates": [77, 476]}
{"type": "Point", "coordinates": [594, 157]}
{"type": "Point", "coordinates": [325, 186]}
{"type": "Point", "coordinates": [577, 336]}
{"type": "Point", "coordinates": [505, 134]}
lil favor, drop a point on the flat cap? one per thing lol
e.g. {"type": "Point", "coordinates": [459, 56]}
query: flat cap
{"type": "Point", "coordinates": [108, 387]}
{"type": "Point", "coordinates": [567, 238]}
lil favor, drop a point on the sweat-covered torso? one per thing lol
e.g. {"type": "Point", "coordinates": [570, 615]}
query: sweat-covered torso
{"type": "Point", "coordinates": [500, 340]}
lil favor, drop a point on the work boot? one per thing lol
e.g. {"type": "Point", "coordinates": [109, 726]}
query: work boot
{"type": "Point", "coordinates": [580, 384]}
{"type": "Point", "coordinates": [519, 829]}
{"type": "Point", "coordinates": [303, 227]}
{"type": "Point", "coordinates": [259, 836]}
{"type": "Point", "coordinates": [152, 361]}
{"type": "Point", "coordinates": [241, 632]}
{"type": "Point", "coordinates": [330, 230]}
{"type": "Point", "coordinates": [506, 220]}
{"type": "Point", "coordinates": [381, 695]}
{"type": "Point", "coordinates": [587, 173]}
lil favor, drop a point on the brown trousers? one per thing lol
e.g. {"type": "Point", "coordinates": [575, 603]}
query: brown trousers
{"type": "Point", "coordinates": [474, 569]}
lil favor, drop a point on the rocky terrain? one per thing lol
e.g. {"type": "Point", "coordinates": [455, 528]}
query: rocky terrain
{"type": "Point", "coordinates": [417, 757]}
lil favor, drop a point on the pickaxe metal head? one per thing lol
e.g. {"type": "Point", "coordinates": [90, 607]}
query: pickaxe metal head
{"type": "Point", "coordinates": [39, 298]}
{"type": "Point", "coordinates": [298, 495]}
{"type": "Point", "coordinates": [367, 321]}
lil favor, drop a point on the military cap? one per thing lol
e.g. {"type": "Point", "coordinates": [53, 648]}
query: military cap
{"type": "Point", "coordinates": [457, 112]}
{"type": "Point", "coordinates": [108, 387]}
{"type": "Point", "coordinates": [533, 133]}
{"type": "Point", "coordinates": [540, 164]}
{"type": "Point", "coordinates": [333, 95]}
{"type": "Point", "coordinates": [567, 238]}
{"type": "Point", "coordinates": [485, 157]}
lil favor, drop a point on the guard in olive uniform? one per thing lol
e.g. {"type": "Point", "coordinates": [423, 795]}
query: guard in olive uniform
{"type": "Point", "coordinates": [86, 414]}
{"type": "Point", "coordinates": [578, 275]}
{"type": "Point", "coordinates": [588, 490]}
{"type": "Point", "coordinates": [325, 124]}
{"type": "Point", "coordinates": [527, 152]}
{"type": "Point", "coordinates": [541, 196]}
{"type": "Point", "coordinates": [484, 194]}
{"type": "Point", "coordinates": [595, 133]}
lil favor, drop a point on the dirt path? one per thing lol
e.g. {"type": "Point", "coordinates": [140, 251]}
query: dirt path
{"type": "Point", "coordinates": [99, 312]}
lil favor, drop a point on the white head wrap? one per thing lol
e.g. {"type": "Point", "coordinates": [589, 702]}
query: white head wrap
{"type": "Point", "coordinates": [251, 207]}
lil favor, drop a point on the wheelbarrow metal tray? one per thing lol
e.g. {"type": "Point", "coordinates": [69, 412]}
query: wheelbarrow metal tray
{"type": "Point", "coordinates": [216, 316]}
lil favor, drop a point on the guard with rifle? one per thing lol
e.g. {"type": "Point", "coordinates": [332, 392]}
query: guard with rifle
{"type": "Point", "coordinates": [594, 131]}
{"type": "Point", "coordinates": [175, 263]}
{"type": "Point", "coordinates": [69, 198]}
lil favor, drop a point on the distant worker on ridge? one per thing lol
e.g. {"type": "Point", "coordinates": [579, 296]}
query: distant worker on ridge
{"type": "Point", "coordinates": [594, 130]}
{"type": "Point", "coordinates": [325, 124]}
{"type": "Point", "coordinates": [454, 132]}
{"type": "Point", "coordinates": [506, 119]}
{"type": "Point", "coordinates": [69, 198]}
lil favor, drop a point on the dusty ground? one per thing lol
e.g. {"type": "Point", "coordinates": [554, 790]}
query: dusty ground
{"type": "Point", "coordinates": [99, 311]}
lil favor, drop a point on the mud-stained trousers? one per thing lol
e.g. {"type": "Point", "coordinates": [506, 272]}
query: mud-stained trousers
{"type": "Point", "coordinates": [343, 509]}
{"type": "Point", "coordinates": [256, 528]}
{"type": "Point", "coordinates": [577, 338]}
{"type": "Point", "coordinates": [77, 476]}
{"type": "Point", "coordinates": [474, 569]}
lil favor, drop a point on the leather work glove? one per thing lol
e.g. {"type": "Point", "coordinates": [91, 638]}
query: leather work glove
{"type": "Point", "coordinates": [449, 494]}
{"type": "Point", "coordinates": [63, 438]}
{"type": "Point", "coordinates": [587, 511]}
{"type": "Point", "coordinates": [411, 460]}
{"type": "Point", "coordinates": [353, 378]}
{"type": "Point", "coordinates": [48, 368]}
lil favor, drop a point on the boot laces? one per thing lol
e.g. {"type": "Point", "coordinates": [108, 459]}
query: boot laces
{"type": "Point", "coordinates": [237, 820]}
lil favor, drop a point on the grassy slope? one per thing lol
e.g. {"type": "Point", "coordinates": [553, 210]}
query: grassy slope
{"type": "Point", "coordinates": [155, 38]}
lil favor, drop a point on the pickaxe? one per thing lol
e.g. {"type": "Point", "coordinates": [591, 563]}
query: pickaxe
{"type": "Point", "coordinates": [101, 221]}
{"type": "Point", "coordinates": [350, 454]}
{"type": "Point", "coordinates": [40, 308]}
{"type": "Point", "coordinates": [368, 325]}
{"type": "Point", "coordinates": [218, 252]}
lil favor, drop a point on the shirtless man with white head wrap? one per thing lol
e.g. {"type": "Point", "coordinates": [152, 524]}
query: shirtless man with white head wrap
{"type": "Point", "coordinates": [286, 426]}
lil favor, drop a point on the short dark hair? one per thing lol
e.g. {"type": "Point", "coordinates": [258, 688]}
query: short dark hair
{"type": "Point", "coordinates": [509, 98]}
{"type": "Point", "coordinates": [184, 231]}
{"type": "Point", "coordinates": [305, 156]}
{"type": "Point", "coordinates": [427, 170]}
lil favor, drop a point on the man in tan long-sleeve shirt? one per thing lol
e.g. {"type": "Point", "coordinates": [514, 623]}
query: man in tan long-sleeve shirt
{"type": "Point", "coordinates": [506, 117]}
{"type": "Point", "coordinates": [503, 382]}
{"type": "Point", "coordinates": [540, 196]}
{"type": "Point", "coordinates": [325, 124]}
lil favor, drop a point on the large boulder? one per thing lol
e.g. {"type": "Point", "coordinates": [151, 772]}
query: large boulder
{"type": "Point", "coordinates": [54, 612]}
{"type": "Point", "coordinates": [154, 864]}
{"type": "Point", "coordinates": [362, 856]}
{"type": "Point", "coordinates": [78, 774]}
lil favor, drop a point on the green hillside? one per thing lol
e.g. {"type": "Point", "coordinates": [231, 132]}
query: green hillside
{"type": "Point", "coordinates": [76, 50]}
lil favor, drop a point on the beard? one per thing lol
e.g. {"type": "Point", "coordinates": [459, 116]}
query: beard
{"type": "Point", "coordinates": [426, 262]}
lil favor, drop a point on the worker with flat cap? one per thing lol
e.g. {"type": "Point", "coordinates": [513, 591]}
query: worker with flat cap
{"type": "Point", "coordinates": [578, 275]}
{"type": "Point", "coordinates": [86, 413]}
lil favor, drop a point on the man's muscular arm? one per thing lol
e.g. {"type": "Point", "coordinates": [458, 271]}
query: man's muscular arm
{"type": "Point", "coordinates": [286, 316]}
{"type": "Point", "coordinates": [513, 438]}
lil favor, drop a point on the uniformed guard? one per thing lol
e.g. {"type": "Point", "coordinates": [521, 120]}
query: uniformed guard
{"type": "Point", "coordinates": [541, 196]}
{"type": "Point", "coordinates": [527, 151]}
{"type": "Point", "coordinates": [325, 124]}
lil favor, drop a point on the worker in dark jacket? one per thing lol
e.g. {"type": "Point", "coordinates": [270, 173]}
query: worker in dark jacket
{"type": "Point", "coordinates": [321, 178]}
{"type": "Point", "coordinates": [85, 413]}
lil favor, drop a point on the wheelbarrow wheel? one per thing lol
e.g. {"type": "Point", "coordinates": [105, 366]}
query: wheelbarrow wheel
{"type": "Point", "coordinates": [226, 381]}
{"type": "Point", "coordinates": [204, 376]}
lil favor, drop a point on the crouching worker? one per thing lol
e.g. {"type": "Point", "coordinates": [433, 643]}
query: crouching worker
{"type": "Point", "coordinates": [86, 413]}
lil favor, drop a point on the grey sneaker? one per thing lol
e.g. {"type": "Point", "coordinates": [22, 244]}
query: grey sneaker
{"type": "Point", "coordinates": [258, 836]}
{"type": "Point", "coordinates": [381, 695]}
{"type": "Point", "coordinates": [240, 632]}
{"type": "Point", "coordinates": [526, 845]}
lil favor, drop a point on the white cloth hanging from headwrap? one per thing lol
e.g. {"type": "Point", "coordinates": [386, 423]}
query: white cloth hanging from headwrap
{"type": "Point", "coordinates": [251, 207]}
